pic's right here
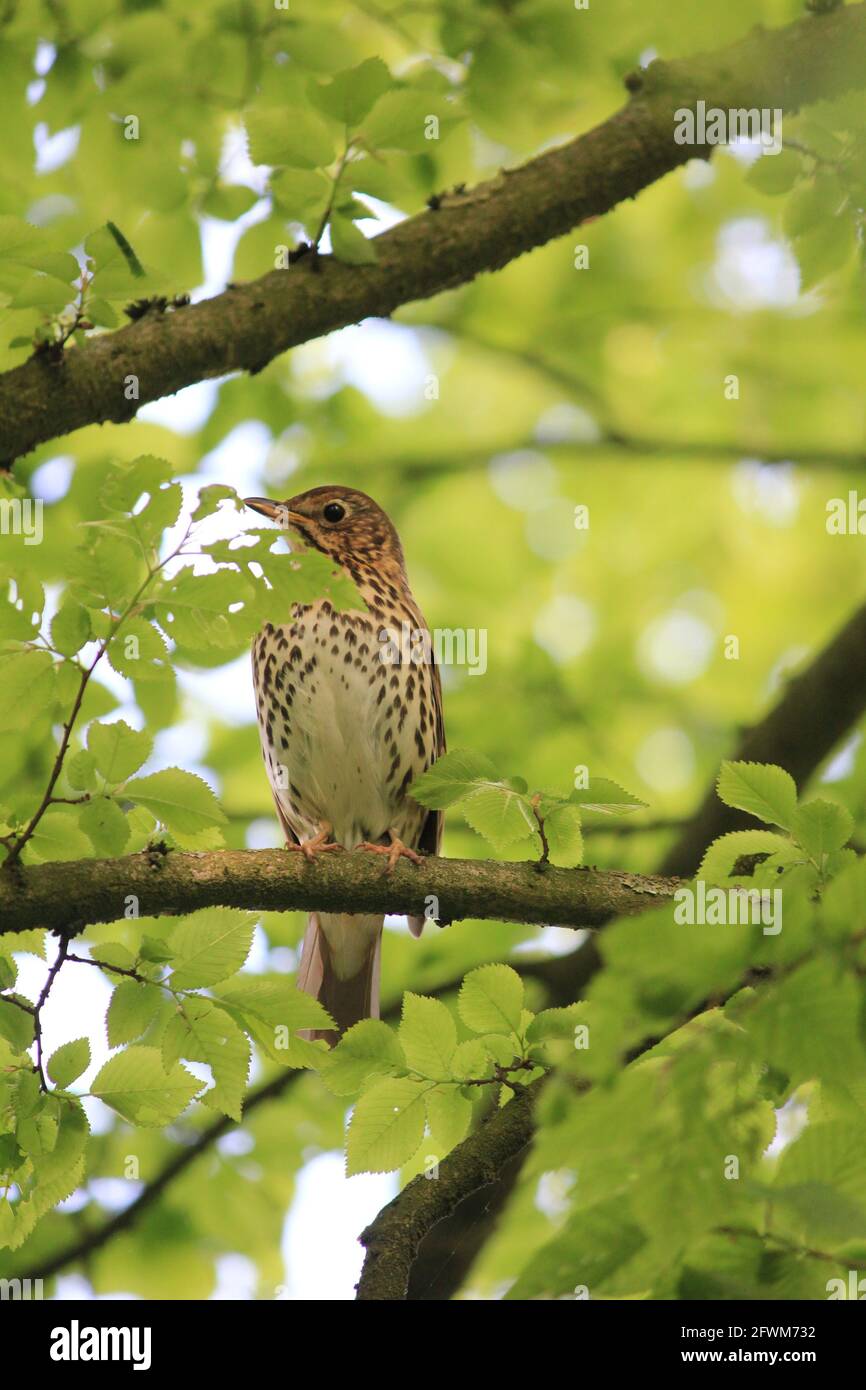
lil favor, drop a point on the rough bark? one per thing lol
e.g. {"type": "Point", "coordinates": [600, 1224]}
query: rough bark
{"type": "Point", "coordinates": [480, 230]}
{"type": "Point", "coordinates": [66, 897]}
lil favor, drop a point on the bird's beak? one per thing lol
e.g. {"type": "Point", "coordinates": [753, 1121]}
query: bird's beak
{"type": "Point", "coordinates": [274, 511]}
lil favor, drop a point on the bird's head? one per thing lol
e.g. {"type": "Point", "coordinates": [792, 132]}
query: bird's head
{"type": "Point", "coordinates": [345, 524]}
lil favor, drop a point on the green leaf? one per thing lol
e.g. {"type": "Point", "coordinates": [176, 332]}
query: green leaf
{"type": "Point", "coordinates": [134, 1084]}
{"type": "Point", "coordinates": [491, 999]}
{"type": "Point", "coordinates": [554, 1023]}
{"type": "Point", "coordinates": [203, 1032]}
{"type": "Point", "coordinates": [451, 778]}
{"type": "Point", "coordinates": [762, 789]}
{"type": "Point", "coordinates": [365, 1049]}
{"type": "Point", "coordinates": [299, 138]}
{"type": "Point", "coordinates": [471, 1061]}
{"type": "Point", "coordinates": [605, 797]}
{"type": "Point", "coordinates": [57, 837]}
{"type": "Point", "coordinates": [387, 1126]}
{"type": "Point", "coordinates": [401, 121]}
{"type": "Point", "coordinates": [68, 1062]}
{"type": "Point", "coordinates": [303, 194]}
{"type": "Point", "coordinates": [594, 1242]}
{"type": "Point", "coordinates": [822, 827]}
{"type": "Point", "coordinates": [349, 243]}
{"type": "Point", "coordinates": [564, 835]}
{"type": "Point", "coordinates": [210, 497]}
{"type": "Point", "coordinates": [105, 826]}
{"type": "Point", "coordinates": [501, 815]}
{"type": "Point", "coordinates": [81, 771]}
{"type": "Point", "coordinates": [183, 802]}
{"type": "Point", "coordinates": [775, 173]}
{"type": "Point", "coordinates": [825, 249]}
{"type": "Point", "coordinates": [118, 750]}
{"type": "Point", "coordinates": [275, 1002]}
{"type": "Point", "coordinates": [131, 1010]}
{"type": "Point", "coordinates": [137, 649]}
{"type": "Point", "coordinates": [428, 1035]}
{"type": "Point", "coordinates": [70, 627]}
{"type": "Point", "coordinates": [26, 687]}
{"type": "Point", "coordinates": [351, 93]}
{"type": "Point", "coordinates": [449, 1115]}
{"type": "Point", "coordinates": [718, 863]}
{"type": "Point", "coordinates": [209, 946]}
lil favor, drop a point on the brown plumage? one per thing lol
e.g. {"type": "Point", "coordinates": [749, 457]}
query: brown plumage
{"type": "Point", "coordinates": [345, 732]}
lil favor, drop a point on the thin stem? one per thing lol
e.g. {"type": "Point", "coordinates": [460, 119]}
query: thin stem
{"type": "Point", "coordinates": [62, 952]}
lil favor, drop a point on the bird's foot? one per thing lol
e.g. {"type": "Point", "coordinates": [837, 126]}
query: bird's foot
{"type": "Point", "coordinates": [319, 844]}
{"type": "Point", "coordinates": [396, 850]}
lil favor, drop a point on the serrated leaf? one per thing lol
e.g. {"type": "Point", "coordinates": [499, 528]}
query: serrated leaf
{"type": "Point", "coordinates": [762, 789]}
{"type": "Point", "coordinates": [105, 826]}
{"type": "Point", "coordinates": [183, 802]}
{"type": "Point", "coordinates": [299, 138]}
{"type": "Point", "coordinates": [822, 826]}
{"type": "Point", "coordinates": [562, 828]}
{"type": "Point", "coordinates": [605, 797]}
{"type": "Point", "coordinates": [134, 1084]}
{"type": "Point", "coordinates": [137, 649]}
{"type": "Point", "coordinates": [428, 1035]}
{"type": "Point", "coordinates": [387, 1126]}
{"type": "Point", "coordinates": [452, 777]}
{"type": "Point", "coordinates": [204, 1032]}
{"type": "Point", "coordinates": [351, 93]}
{"type": "Point", "coordinates": [118, 750]}
{"type": "Point", "coordinates": [209, 946]}
{"type": "Point", "coordinates": [70, 627]}
{"type": "Point", "coordinates": [449, 1115]}
{"type": "Point", "coordinates": [26, 687]}
{"type": "Point", "coordinates": [275, 1002]}
{"type": "Point", "coordinates": [401, 121]}
{"type": "Point", "coordinates": [501, 815]}
{"type": "Point", "coordinates": [131, 1010]}
{"type": "Point", "coordinates": [491, 999]}
{"type": "Point", "coordinates": [367, 1048]}
{"type": "Point", "coordinates": [718, 863]}
{"type": "Point", "coordinates": [68, 1062]}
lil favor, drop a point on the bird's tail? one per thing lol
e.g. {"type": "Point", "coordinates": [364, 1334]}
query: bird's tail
{"type": "Point", "coordinates": [340, 964]}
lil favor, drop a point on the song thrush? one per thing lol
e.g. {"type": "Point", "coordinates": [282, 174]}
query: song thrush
{"type": "Point", "coordinates": [348, 717]}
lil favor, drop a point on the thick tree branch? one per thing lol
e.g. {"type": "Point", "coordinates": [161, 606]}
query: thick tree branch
{"type": "Point", "coordinates": [481, 230]}
{"type": "Point", "coordinates": [393, 1238]}
{"type": "Point", "coordinates": [68, 896]}
{"type": "Point", "coordinates": [818, 708]}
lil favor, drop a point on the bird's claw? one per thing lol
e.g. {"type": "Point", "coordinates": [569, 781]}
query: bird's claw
{"type": "Point", "coordinates": [319, 844]}
{"type": "Point", "coordinates": [396, 850]}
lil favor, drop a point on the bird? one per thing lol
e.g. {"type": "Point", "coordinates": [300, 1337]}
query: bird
{"type": "Point", "coordinates": [349, 715]}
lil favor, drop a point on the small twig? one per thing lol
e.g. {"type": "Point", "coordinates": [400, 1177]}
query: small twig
{"type": "Point", "coordinates": [62, 952]}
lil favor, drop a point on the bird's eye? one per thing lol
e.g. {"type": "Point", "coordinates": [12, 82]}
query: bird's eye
{"type": "Point", "coordinates": [334, 511]}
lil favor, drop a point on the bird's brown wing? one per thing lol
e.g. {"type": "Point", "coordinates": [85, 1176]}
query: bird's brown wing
{"type": "Point", "coordinates": [430, 839]}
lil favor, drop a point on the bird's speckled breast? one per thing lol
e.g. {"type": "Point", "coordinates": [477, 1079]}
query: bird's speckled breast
{"type": "Point", "coordinates": [343, 732]}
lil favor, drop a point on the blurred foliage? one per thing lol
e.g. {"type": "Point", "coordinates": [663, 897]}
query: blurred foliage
{"type": "Point", "coordinates": [620, 473]}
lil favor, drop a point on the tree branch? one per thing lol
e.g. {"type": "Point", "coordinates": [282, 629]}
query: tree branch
{"type": "Point", "coordinates": [392, 1240]}
{"type": "Point", "coordinates": [66, 897]}
{"type": "Point", "coordinates": [481, 230]}
{"type": "Point", "coordinates": [818, 708]}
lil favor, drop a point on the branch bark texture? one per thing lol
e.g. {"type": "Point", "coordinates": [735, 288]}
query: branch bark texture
{"type": "Point", "coordinates": [480, 230]}
{"type": "Point", "coordinates": [65, 897]}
